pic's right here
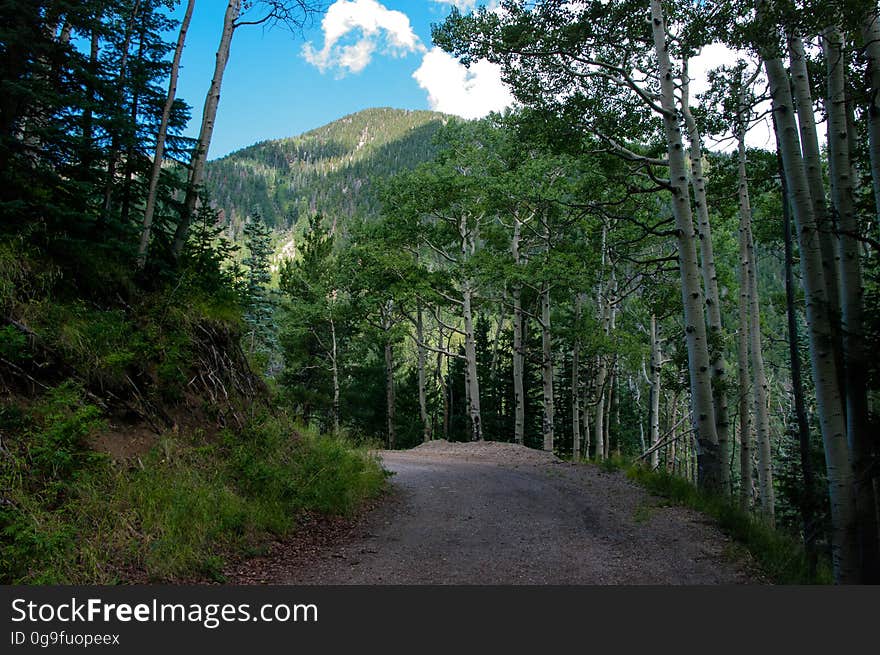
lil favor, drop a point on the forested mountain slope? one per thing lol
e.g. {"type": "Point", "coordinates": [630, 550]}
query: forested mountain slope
{"type": "Point", "coordinates": [333, 170]}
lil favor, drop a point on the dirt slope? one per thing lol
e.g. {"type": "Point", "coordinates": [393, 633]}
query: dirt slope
{"type": "Point", "coordinates": [502, 514]}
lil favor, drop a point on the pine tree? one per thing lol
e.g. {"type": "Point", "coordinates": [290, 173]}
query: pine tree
{"type": "Point", "coordinates": [258, 304]}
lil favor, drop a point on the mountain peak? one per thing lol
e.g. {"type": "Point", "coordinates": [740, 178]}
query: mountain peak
{"type": "Point", "coordinates": [332, 169]}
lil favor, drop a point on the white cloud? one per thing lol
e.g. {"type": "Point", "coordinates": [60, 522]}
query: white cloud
{"type": "Point", "coordinates": [463, 5]}
{"type": "Point", "coordinates": [377, 27]}
{"type": "Point", "coordinates": [713, 56]}
{"type": "Point", "coordinates": [454, 89]}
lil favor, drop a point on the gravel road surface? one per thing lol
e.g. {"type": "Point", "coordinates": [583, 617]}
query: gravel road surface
{"type": "Point", "coordinates": [502, 514]}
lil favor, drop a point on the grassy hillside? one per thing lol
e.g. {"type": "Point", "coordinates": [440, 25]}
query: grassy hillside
{"type": "Point", "coordinates": [333, 170]}
{"type": "Point", "coordinates": [137, 442]}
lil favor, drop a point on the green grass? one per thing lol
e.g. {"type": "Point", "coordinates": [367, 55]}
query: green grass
{"type": "Point", "coordinates": [780, 556]}
{"type": "Point", "coordinates": [193, 502]}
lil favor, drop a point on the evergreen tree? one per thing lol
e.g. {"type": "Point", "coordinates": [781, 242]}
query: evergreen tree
{"type": "Point", "coordinates": [259, 307]}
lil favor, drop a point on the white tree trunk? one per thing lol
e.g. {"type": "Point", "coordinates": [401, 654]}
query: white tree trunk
{"type": "Point", "coordinates": [470, 353]}
{"type": "Point", "coordinates": [468, 248]}
{"type": "Point", "coordinates": [671, 456]}
{"type": "Point", "coordinates": [745, 307]}
{"type": "Point", "coordinates": [576, 384]}
{"type": "Point", "coordinates": [518, 348]}
{"type": "Point", "coordinates": [612, 369]}
{"type": "Point", "coordinates": [760, 390]}
{"type": "Point", "coordinates": [871, 39]}
{"type": "Point", "coordinates": [334, 363]}
{"type": "Point", "coordinates": [812, 162]}
{"type": "Point", "coordinates": [423, 395]}
{"type": "Point", "coordinates": [599, 423]}
{"type": "Point", "coordinates": [851, 292]}
{"type": "Point", "coordinates": [206, 132]}
{"type": "Point", "coordinates": [441, 378]}
{"type": "Point", "coordinates": [656, 369]}
{"type": "Point", "coordinates": [601, 380]}
{"type": "Point", "coordinates": [612, 379]}
{"type": "Point", "coordinates": [159, 155]}
{"type": "Point", "coordinates": [825, 375]}
{"type": "Point", "coordinates": [699, 366]}
{"type": "Point", "coordinates": [547, 368]}
{"type": "Point", "coordinates": [710, 280]}
{"type": "Point", "coordinates": [586, 425]}
{"type": "Point", "coordinates": [389, 388]}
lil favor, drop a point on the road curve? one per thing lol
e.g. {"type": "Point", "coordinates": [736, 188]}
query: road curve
{"type": "Point", "coordinates": [484, 519]}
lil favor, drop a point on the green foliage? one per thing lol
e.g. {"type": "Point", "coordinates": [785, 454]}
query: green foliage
{"type": "Point", "coordinates": [259, 307]}
{"type": "Point", "coordinates": [74, 111]}
{"type": "Point", "coordinates": [191, 503]}
{"type": "Point", "coordinates": [55, 446]}
{"type": "Point", "coordinates": [290, 179]}
{"type": "Point", "coordinates": [13, 344]}
{"type": "Point", "coordinates": [314, 324]}
{"type": "Point", "coordinates": [780, 556]}
{"type": "Point", "coordinates": [613, 463]}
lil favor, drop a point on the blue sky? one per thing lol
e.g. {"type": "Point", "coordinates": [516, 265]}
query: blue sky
{"type": "Point", "coordinates": [362, 53]}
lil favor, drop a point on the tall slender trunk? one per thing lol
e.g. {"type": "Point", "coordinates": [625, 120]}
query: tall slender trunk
{"type": "Point", "coordinates": [128, 169]}
{"type": "Point", "coordinates": [334, 366]}
{"type": "Point", "coordinates": [760, 390]}
{"type": "Point", "coordinates": [672, 413]}
{"type": "Point", "coordinates": [547, 368]}
{"type": "Point", "coordinates": [159, 155]}
{"type": "Point", "coordinates": [209, 116]}
{"type": "Point", "coordinates": [845, 554]}
{"type": "Point", "coordinates": [656, 369]}
{"type": "Point", "coordinates": [710, 280]}
{"type": "Point", "coordinates": [871, 37]}
{"type": "Point", "coordinates": [389, 385]}
{"type": "Point", "coordinates": [612, 369]}
{"type": "Point", "coordinates": [518, 347]}
{"type": "Point", "coordinates": [586, 425]}
{"type": "Point", "coordinates": [441, 346]}
{"type": "Point", "coordinates": [423, 395]}
{"type": "Point", "coordinates": [699, 365]}
{"type": "Point", "coordinates": [576, 383]}
{"type": "Point", "coordinates": [745, 323]}
{"type": "Point", "coordinates": [604, 309]}
{"type": "Point", "coordinates": [470, 352]}
{"type": "Point", "coordinates": [807, 507]}
{"type": "Point", "coordinates": [599, 423]}
{"type": "Point", "coordinates": [750, 341]}
{"type": "Point", "coordinates": [609, 405]}
{"type": "Point", "coordinates": [601, 382]}
{"type": "Point", "coordinates": [472, 381]}
{"type": "Point", "coordinates": [113, 155]}
{"type": "Point", "coordinates": [851, 292]}
{"type": "Point", "coordinates": [813, 164]}
{"type": "Point", "coordinates": [87, 121]}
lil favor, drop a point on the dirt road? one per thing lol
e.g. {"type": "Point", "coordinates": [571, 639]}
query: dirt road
{"type": "Point", "coordinates": [501, 514]}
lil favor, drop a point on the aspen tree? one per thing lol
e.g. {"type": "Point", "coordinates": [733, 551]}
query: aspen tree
{"type": "Point", "coordinates": [576, 382]}
{"type": "Point", "coordinates": [710, 277]}
{"type": "Point", "coordinates": [845, 556]}
{"type": "Point", "coordinates": [871, 39]}
{"type": "Point", "coordinates": [422, 356]}
{"type": "Point", "coordinates": [851, 292]}
{"type": "Point", "coordinates": [159, 155]}
{"type": "Point", "coordinates": [518, 347]}
{"type": "Point", "coordinates": [745, 309]}
{"type": "Point", "coordinates": [656, 369]}
{"type": "Point", "coordinates": [699, 366]}
{"type": "Point", "coordinates": [760, 388]}
{"type": "Point", "coordinates": [547, 349]}
{"type": "Point", "coordinates": [206, 132]}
